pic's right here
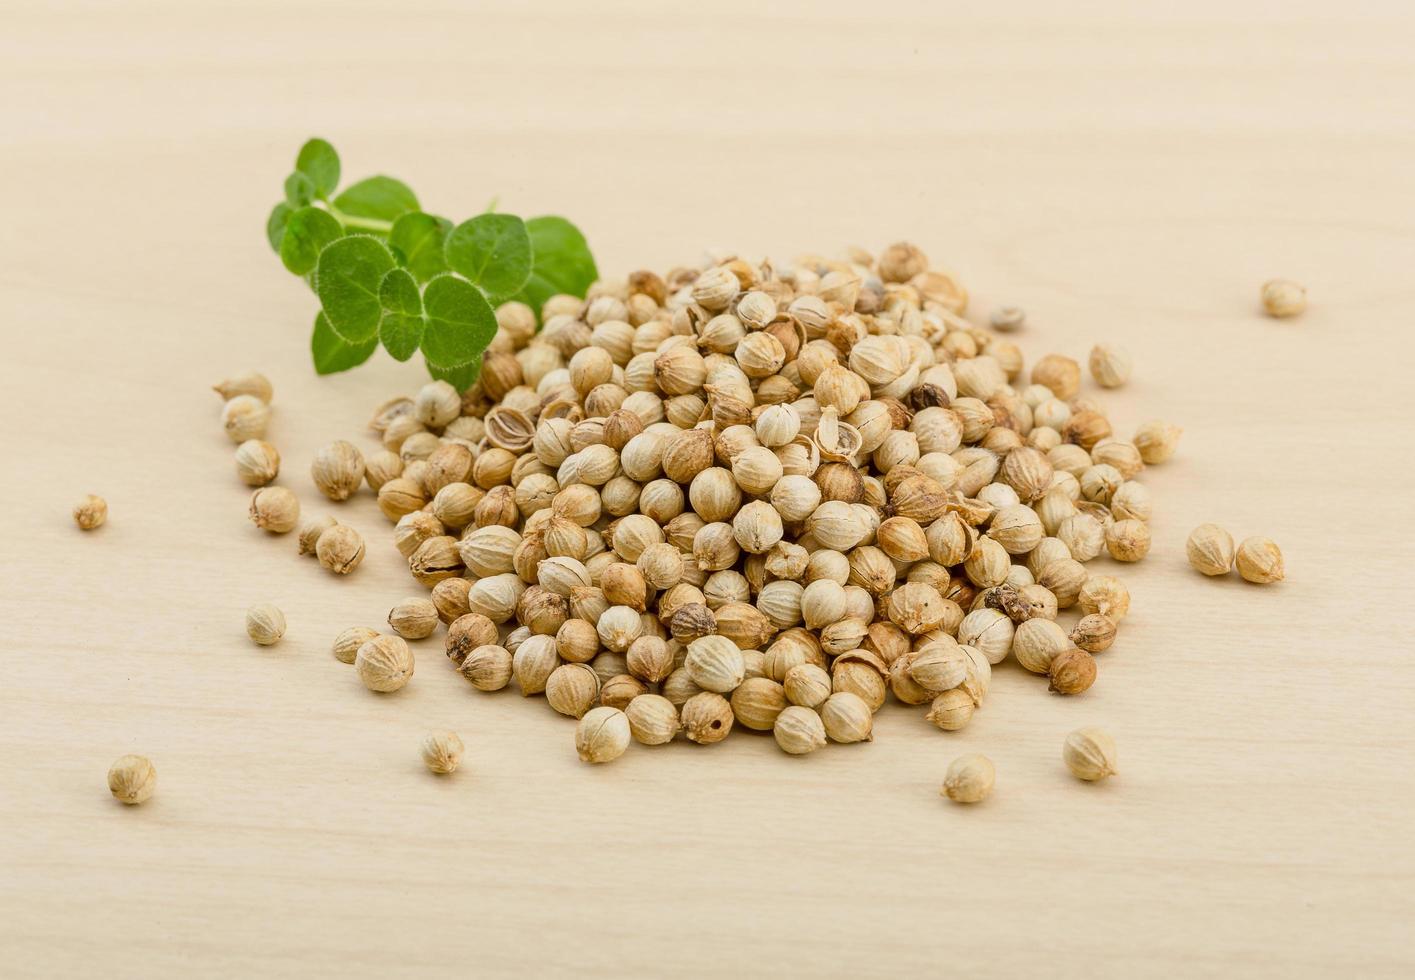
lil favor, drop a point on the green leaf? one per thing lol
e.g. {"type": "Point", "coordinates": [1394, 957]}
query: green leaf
{"type": "Point", "coordinates": [346, 279]}
{"type": "Point", "coordinates": [381, 198]}
{"type": "Point", "coordinates": [319, 162]}
{"type": "Point", "coordinates": [306, 233]}
{"type": "Point", "coordinates": [460, 322]}
{"type": "Point", "coordinates": [402, 326]}
{"type": "Point", "coordinates": [493, 251]}
{"type": "Point", "coordinates": [299, 190]}
{"type": "Point", "coordinates": [332, 353]}
{"type": "Point", "coordinates": [416, 240]}
{"type": "Point", "coordinates": [460, 378]}
{"type": "Point", "coordinates": [563, 263]}
{"type": "Point", "coordinates": [275, 225]}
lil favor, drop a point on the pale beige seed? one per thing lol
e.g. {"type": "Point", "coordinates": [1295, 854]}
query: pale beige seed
{"type": "Point", "coordinates": [442, 752]}
{"type": "Point", "coordinates": [91, 512]}
{"type": "Point", "coordinates": [132, 779]}
{"type": "Point", "coordinates": [1210, 549]}
{"type": "Point", "coordinates": [1089, 753]}
{"type": "Point", "coordinates": [969, 779]}
{"type": "Point", "coordinates": [265, 624]}
{"type": "Point", "coordinates": [602, 735]}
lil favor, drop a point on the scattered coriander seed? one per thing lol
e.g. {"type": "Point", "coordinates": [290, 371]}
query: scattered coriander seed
{"type": "Point", "coordinates": [1110, 366]}
{"type": "Point", "coordinates": [251, 383]}
{"type": "Point", "coordinates": [1007, 318]}
{"type": "Point", "coordinates": [132, 779]}
{"type": "Point", "coordinates": [384, 663]}
{"type": "Point", "coordinates": [91, 512]}
{"type": "Point", "coordinates": [414, 619]}
{"type": "Point", "coordinates": [602, 735]}
{"type": "Point", "coordinates": [340, 549]}
{"type": "Point", "coordinates": [347, 643]}
{"type": "Point", "coordinates": [1094, 633]}
{"type": "Point", "coordinates": [442, 752]}
{"type": "Point", "coordinates": [275, 509]}
{"type": "Point", "coordinates": [1089, 753]}
{"type": "Point", "coordinates": [1127, 540]}
{"type": "Point", "coordinates": [265, 624]}
{"type": "Point", "coordinates": [799, 730]}
{"type": "Point", "coordinates": [1157, 441]}
{"type": "Point", "coordinates": [1284, 298]}
{"type": "Point", "coordinates": [489, 668]}
{"type": "Point", "coordinates": [245, 417]}
{"type": "Point", "coordinates": [310, 530]}
{"type": "Point", "coordinates": [1259, 561]}
{"type": "Point", "coordinates": [257, 462]}
{"type": "Point", "coordinates": [1072, 671]}
{"type": "Point", "coordinates": [969, 779]}
{"type": "Point", "coordinates": [338, 470]}
{"type": "Point", "coordinates": [1210, 549]}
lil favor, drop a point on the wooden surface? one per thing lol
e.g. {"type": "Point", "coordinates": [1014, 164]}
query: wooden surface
{"type": "Point", "coordinates": [1120, 174]}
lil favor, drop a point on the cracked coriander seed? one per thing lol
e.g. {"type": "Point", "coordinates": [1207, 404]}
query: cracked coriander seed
{"type": "Point", "coordinates": [602, 735]}
{"type": "Point", "coordinates": [384, 664]}
{"type": "Point", "coordinates": [340, 549]}
{"type": "Point", "coordinates": [91, 512]}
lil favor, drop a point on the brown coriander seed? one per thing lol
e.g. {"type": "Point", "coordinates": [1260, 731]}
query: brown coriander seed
{"type": "Point", "coordinates": [1127, 540]}
{"type": "Point", "coordinates": [1089, 753]}
{"type": "Point", "coordinates": [414, 619]}
{"type": "Point", "coordinates": [602, 735]}
{"type": "Point", "coordinates": [275, 509]}
{"type": "Point", "coordinates": [441, 752]}
{"type": "Point", "coordinates": [265, 624]}
{"type": "Point", "coordinates": [1283, 298]}
{"type": "Point", "coordinates": [1210, 549]}
{"type": "Point", "coordinates": [1072, 671]}
{"type": "Point", "coordinates": [1094, 633]}
{"type": "Point", "coordinates": [91, 512]}
{"type": "Point", "coordinates": [488, 668]}
{"type": "Point", "coordinates": [572, 689]}
{"type": "Point", "coordinates": [257, 462]}
{"type": "Point", "coordinates": [338, 470]}
{"type": "Point", "coordinates": [1260, 561]}
{"type": "Point", "coordinates": [132, 779]}
{"type": "Point", "coordinates": [847, 718]}
{"type": "Point", "coordinates": [969, 779]}
{"type": "Point", "coordinates": [340, 549]}
{"type": "Point", "coordinates": [384, 663]}
{"type": "Point", "coordinates": [756, 702]}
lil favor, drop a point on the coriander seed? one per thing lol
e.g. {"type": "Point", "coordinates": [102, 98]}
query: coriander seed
{"type": "Point", "coordinates": [602, 735]}
{"type": "Point", "coordinates": [384, 663]}
{"type": "Point", "coordinates": [1110, 366]}
{"type": "Point", "coordinates": [275, 509]}
{"type": "Point", "coordinates": [847, 718]}
{"type": "Point", "coordinates": [311, 529]}
{"type": "Point", "coordinates": [1284, 298]}
{"type": "Point", "coordinates": [338, 470]}
{"type": "Point", "coordinates": [1072, 671]}
{"type": "Point", "coordinates": [653, 719]}
{"type": "Point", "coordinates": [245, 417]}
{"type": "Point", "coordinates": [1259, 561]}
{"type": "Point", "coordinates": [414, 619]}
{"type": "Point", "coordinates": [132, 779]}
{"type": "Point", "coordinates": [91, 512]}
{"type": "Point", "coordinates": [1094, 633]}
{"type": "Point", "coordinates": [1210, 549]}
{"type": "Point", "coordinates": [265, 624]}
{"type": "Point", "coordinates": [487, 668]}
{"type": "Point", "coordinates": [257, 462]}
{"type": "Point", "coordinates": [1089, 753]}
{"type": "Point", "coordinates": [969, 779]}
{"type": "Point", "coordinates": [251, 383]}
{"type": "Point", "coordinates": [799, 730]}
{"type": "Point", "coordinates": [340, 549]}
{"type": "Point", "coordinates": [707, 716]}
{"type": "Point", "coordinates": [347, 643]}
{"type": "Point", "coordinates": [442, 752]}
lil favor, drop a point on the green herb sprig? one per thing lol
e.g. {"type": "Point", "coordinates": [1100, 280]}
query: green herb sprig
{"type": "Point", "coordinates": [387, 272]}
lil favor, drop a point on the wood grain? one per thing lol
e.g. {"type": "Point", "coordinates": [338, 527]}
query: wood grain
{"type": "Point", "coordinates": [1120, 173]}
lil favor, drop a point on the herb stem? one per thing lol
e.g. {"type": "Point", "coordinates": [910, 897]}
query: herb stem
{"type": "Point", "coordinates": [362, 224]}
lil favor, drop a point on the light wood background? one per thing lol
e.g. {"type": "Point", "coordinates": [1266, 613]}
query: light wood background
{"type": "Point", "coordinates": [1121, 173]}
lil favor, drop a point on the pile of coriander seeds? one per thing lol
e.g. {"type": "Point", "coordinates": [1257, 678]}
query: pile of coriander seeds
{"type": "Point", "coordinates": [762, 497]}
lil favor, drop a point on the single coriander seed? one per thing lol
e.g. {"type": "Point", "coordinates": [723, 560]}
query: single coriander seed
{"type": "Point", "coordinates": [1284, 298]}
{"type": "Point", "coordinates": [340, 549]}
{"type": "Point", "coordinates": [346, 644]}
{"type": "Point", "coordinates": [91, 512]}
{"type": "Point", "coordinates": [265, 624]}
{"type": "Point", "coordinates": [132, 779]}
{"type": "Point", "coordinates": [602, 735]}
{"type": "Point", "coordinates": [1260, 561]}
{"type": "Point", "coordinates": [384, 663]}
{"type": "Point", "coordinates": [799, 730]}
{"type": "Point", "coordinates": [1110, 366]}
{"type": "Point", "coordinates": [442, 752]}
{"type": "Point", "coordinates": [1089, 753]}
{"type": "Point", "coordinates": [969, 779]}
{"type": "Point", "coordinates": [1210, 549]}
{"type": "Point", "coordinates": [275, 509]}
{"type": "Point", "coordinates": [257, 462]}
